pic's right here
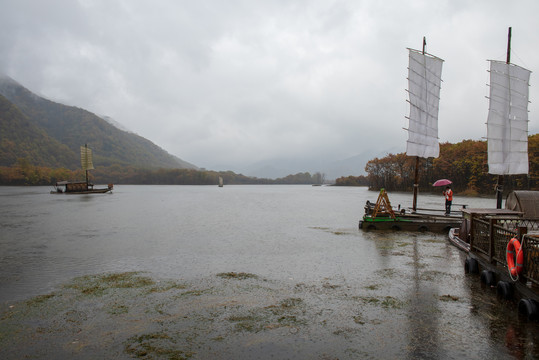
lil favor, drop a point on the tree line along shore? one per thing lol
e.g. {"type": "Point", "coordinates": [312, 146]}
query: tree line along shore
{"type": "Point", "coordinates": [464, 163]}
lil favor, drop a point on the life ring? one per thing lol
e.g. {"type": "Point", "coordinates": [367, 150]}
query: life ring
{"type": "Point", "coordinates": [514, 247]}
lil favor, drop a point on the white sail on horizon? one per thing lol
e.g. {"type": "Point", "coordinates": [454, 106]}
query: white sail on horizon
{"type": "Point", "coordinates": [86, 158]}
{"type": "Point", "coordinates": [424, 83]}
{"type": "Point", "coordinates": [507, 123]}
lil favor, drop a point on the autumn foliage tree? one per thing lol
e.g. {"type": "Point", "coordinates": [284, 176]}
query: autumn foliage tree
{"type": "Point", "coordinates": [465, 163]}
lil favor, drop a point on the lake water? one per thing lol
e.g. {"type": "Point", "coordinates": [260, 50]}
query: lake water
{"type": "Point", "coordinates": [302, 239]}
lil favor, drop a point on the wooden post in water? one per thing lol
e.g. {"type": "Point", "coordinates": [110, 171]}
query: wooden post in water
{"type": "Point", "coordinates": [416, 183]}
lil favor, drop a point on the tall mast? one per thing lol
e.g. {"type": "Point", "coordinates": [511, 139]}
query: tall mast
{"type": "Point", "coordinates": [499, 185]}
{"type": "Point", "coordinates": [416, 170]}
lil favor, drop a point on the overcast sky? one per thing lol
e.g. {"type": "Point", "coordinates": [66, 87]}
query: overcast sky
{"type": "Point", "coordinates": [228, 83]}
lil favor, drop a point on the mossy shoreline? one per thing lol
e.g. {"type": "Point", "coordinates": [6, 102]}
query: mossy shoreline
{"type": "Point", "coordinates": [228, 315]}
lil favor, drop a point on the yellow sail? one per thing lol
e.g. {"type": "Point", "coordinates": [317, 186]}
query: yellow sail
{"type": "Point", "coordinates": [86, 158]}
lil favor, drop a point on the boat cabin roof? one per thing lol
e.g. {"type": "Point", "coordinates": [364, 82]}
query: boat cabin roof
{"type": "Point", "coordinates": [62, 183]}
{"type": "Point", "coordinates": [524, 201]}
{"type": "Point", "coordinates": [492, 212]}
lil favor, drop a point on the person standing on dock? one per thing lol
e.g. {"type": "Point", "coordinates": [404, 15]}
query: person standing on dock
{"type": "Point", "coordinates": [448, 193]}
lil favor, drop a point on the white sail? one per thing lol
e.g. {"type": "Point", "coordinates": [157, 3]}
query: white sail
{"type": "Point", "coordinates": [86, 158]}
{"type": "Point", "coordinates": [507, 123]}
{"type": "Point", "coordinates": [424, 80]}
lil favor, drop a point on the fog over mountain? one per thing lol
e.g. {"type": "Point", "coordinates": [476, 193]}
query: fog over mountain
{"type": "Point", "coordinates": [232, 84]}
{"type": "Point", "coordinates": [50, 134]}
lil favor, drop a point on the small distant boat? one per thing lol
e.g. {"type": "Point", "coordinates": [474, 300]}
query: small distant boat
{"type": "Point", "coordinates": [220, 181]}
{"type": "Point", "coordinates": [81, 187]}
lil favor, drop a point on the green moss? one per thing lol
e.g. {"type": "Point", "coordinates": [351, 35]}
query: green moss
{"type": "Point", "coordinates": [117, 309]}
{"type": "Point", "coordinates": [166, 286]}
{"type": "Point", "coordinates": [291, 302]}
{"type": "Point", "coordinates": [372, 287]}
{"type": "Point", "coordinates": [386, 273]}
{"type": "Point", "coordinates": [155, 345]}
{"type": "Point", "coordinates": [194, 293]}
{"type": "Point", "coordinates": [367, 299]}
{"type": "Point", "coordinates": [390, 302]}
{"type": "Point", "coordinates": [432, 275]}
{"type": "Point", "coordinates": [449, 298]}
{"type": "Point", "coordinates": [284, 314]}
{"type": "Point", "coordinates": [40, 299]}
{"type": "Point", "coordinates": [251, 323]}
{"type": "Point", "coordinates": [238, 276]}
{"type": "Point", "coordinates": [97, 284]}
{"type": "Point", "coordinates": [291, 320]}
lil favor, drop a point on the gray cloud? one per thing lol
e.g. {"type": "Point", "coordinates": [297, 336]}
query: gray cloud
{"type": "Point", "coordinates": [236, 82]}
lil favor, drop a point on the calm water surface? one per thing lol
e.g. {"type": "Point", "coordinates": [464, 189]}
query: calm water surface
{"type": "Point", "coordinates": [295, 235]}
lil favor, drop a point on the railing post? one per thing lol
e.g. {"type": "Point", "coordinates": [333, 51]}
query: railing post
{"type": "Point", "coordinates": [521, 231]}
{"type": "Point", "coordinates": [491, 223]}
{"type": "Point", "coordinates": [472, 229]}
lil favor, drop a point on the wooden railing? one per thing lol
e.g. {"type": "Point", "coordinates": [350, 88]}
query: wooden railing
{"type": "Point", "coordinates": [490, 238]}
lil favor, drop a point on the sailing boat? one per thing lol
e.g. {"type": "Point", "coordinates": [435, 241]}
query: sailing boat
{"type": "Point", "coordinates": [502, 241]}
{"type": "Point", "coordinates": [507, 141]}
{"type": "Point", "coordinates": [424, 84]}
{"type": "Point", "coordinates": [81, 187]}
{"type": "Point", "coordinates": [507, 122]}
{"type": "Point", "coordinates": [220, 181]}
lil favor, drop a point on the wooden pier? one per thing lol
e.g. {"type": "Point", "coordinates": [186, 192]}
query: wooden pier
{"type": "Point", "coordinates": [486, 234]}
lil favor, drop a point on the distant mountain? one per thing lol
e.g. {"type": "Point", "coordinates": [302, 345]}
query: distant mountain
{"type": "Point", "coordinates": [20, 138]}
{"type": "Point", "coordinates": [115, 123]}
{"type": "Point", "coordinates": [50, 134]}
{"type": "Point", "coordinates": [332, 168]}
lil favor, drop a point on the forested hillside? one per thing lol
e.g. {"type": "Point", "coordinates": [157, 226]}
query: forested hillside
{"type": "Point", "coordinates": [50, 134]}
{"type": "Point", "coordinates": [19, 138]}
{"type": "Point", "coordinates": [464, 163]}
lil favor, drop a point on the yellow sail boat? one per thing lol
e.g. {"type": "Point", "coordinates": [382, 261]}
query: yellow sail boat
{"type": "Point", "coordinates": [81, 187]}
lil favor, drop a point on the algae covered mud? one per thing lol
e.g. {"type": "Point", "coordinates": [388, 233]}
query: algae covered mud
{"type": "Point", "coordinates": [253, 272]}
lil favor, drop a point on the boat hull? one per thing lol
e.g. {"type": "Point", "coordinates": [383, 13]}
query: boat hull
{"type": "Point", "coordinates": [457, 241]}
{"type": "Point", "coordinates": [412, 222]}
{"type": "Point", "coordinates": [94, 191]}
{"type": "Point", "coordinates": [79, 188]}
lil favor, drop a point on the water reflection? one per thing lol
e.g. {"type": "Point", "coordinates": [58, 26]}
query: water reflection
{"type": "Point", "coordinates": [519, 336]}
{"type": "Point", "coordinates": [422, 313]}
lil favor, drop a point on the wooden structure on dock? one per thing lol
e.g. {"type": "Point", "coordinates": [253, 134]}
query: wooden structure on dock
{"type": "Point", "coordinates": [382, 216]}
{"type": "Point", "coordinates": [485, 234]}
{"type": "Point", "coordinates": [383, 206]}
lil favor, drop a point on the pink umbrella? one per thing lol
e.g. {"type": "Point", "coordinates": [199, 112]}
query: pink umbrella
{"type": "Point", "coordinates": [442, 182]}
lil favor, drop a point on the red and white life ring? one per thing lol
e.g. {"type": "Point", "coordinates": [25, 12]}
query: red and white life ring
{"type": "Point", "coordinates": [513, 247]}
